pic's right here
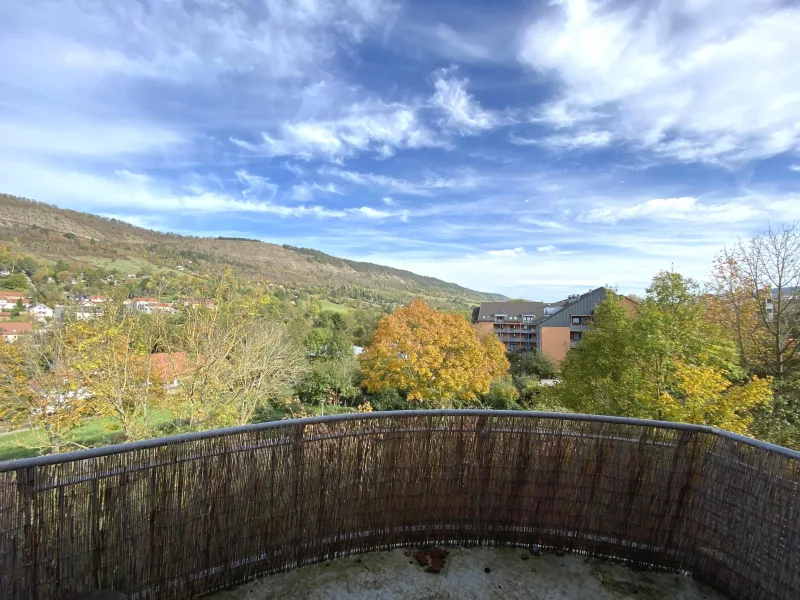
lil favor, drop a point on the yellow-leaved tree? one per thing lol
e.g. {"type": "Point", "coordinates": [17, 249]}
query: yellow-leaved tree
{"type": "Point", "coordinates": [435, 358]}
{"type": "Point", "coordinates": [702, 394]}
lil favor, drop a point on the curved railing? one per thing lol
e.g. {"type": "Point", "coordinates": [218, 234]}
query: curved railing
{"type": "Point", "coordinates": [181, 516]}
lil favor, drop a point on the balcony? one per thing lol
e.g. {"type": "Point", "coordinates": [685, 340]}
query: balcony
{"type": "Point", "coordinates": [178, 517]}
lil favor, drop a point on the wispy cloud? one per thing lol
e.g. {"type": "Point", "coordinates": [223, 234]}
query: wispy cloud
{"type": "Point", "coordinates": [463, 113]}
{"type": "Point", "coordinates": [375, 127]}
{"type": "Point", "coordinates": [426, 187]}
{"type": "Point", "coordinates": [580, 140]}
{"type": "Point", "coordinates": [687, 91]}
{"type": "Point", "coordinates": [512, 252]}
{"type": "Point", "coordinates": [678, 209]}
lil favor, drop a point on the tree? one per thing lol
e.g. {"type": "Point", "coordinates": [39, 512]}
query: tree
{"type": "Point", "coordinates": [605, 375]}
{"type": "Point", "coordinates": [435, 358]}
{"type": "Point", "coordinates": [702, 394]}
{"type": "Point", "coordinates": [14, 282]}
{"type": "Point", "coordinates": [236, 360]}
{"type": "Point", "coordinates": [502, 394]}
{"type": "Point", "coordinates": [537, 363]}
{"type": "Point", "coordinates": [40, 388]}
{"type": "Point", "coordinates": [734, 304]}
{"type": "Point", "coordinates": [769, 267]}
{"type": "Point", "coordinates": [330, 381]}
{"type": "Point", "coordinates": [669, 360]}
{"type": "Point", "coordinates": [113, 356]}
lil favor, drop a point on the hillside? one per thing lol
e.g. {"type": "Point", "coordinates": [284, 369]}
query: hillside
{"type": "Point", "coordinates": [48, 233]}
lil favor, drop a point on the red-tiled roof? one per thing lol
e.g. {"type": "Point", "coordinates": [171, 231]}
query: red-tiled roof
{"type": "Point", "coordinates": [14, 328]}
{"type": "Point", "coordinates": [169, 365]}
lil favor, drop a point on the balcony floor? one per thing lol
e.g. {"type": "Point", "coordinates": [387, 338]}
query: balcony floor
{"type": "Point", "coordinates": [389, 575]}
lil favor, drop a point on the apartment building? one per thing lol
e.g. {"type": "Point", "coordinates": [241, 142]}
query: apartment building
{"type": "Point", "coordinates": [552, 329]}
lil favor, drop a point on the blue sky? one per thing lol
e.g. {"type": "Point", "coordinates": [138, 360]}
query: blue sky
{"type": "Point", "coordinates": [533, 149]}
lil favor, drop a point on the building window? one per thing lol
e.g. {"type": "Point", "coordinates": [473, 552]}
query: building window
{"type": "Point", "coordinates": [576, 320]}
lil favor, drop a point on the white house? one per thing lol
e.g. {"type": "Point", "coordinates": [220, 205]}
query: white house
{"type": "Point", "coordinates": [11, 331]}
{"type": "Point", "coordinates": [42, 312]}
{"type": "Point", "coordinates": [8, 300]}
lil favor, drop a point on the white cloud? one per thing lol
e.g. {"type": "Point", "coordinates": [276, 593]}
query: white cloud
{"type": "Point", "coordinates": [372, 126]}
{"type": "Point", "coordinates": [676, 209]}
{"type": "Point", "coordinates": [182, 42]}
{"type": "Point", "coordinates": [86, 191]}
{"type": "Point", "coordinates": [464, 181]}
{"type": "Point", "coordinates": [305, 191]}
{"type": "Point", "coordinates": [388, 201]}
{"type": "Point", "coordinates": [255, 185]}
{"type": "Point", "coordinates": [463, 113]}
{"type": "Point", "coordinates": [795, 168]}
{"type": "Point", "coordinates": [580, 140]}
{"type": "Point", "coordinates": [513, 252]}
{"type": "Point", "coordinates": [547, 249]}
{"type": "Point", "coordinates": [713, 81]}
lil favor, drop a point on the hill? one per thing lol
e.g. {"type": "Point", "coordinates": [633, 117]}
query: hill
{"type": "Point", "coordinates": [47, 233]}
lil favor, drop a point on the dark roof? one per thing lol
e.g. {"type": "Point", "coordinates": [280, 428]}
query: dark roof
{"type": "Point", "coordinates": [582, 305]}
{"type": "Point", "coordinates": [488, 310]}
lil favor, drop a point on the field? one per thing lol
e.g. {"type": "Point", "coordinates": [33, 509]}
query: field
{"type": "Point", "coordinates": [333, 307]}
{"type": "Point", "coordinates": [97, 431]}
{"type": "Point", "coordinates": [94, 432]}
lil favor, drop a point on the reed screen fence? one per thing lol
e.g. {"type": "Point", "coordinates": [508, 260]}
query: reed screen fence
{"type": "Point", "coordinates": [179, 517]}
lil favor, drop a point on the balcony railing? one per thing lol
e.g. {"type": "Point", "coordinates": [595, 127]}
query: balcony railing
{"type": "Point", "coordinates": [187, 515]}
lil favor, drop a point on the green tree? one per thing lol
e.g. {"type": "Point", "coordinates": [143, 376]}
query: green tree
{"type": "Point", "coordinates": [669, 360]}
{"type": "Point", "coordinates": [14, 282]}
{"type": "Point", "coordinates": [502, 395]}
{"type": "Point", "coordinates": [537, 363]}
{"type": "Point", "coordinates": [331, 381]}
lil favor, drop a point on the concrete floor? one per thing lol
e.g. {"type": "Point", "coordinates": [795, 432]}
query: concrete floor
{"type": "Point", "coordinates": [390, 575]}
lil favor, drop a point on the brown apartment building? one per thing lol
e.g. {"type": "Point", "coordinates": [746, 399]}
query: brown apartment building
{"type": "Point", "coordinates": [550, 328]}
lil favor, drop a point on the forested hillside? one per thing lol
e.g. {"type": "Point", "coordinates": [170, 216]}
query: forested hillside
{"type": "Point", "coordinates": [45, 233]}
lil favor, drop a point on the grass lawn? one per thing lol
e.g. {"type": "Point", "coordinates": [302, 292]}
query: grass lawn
{"type": "Point", "coordinates": [94, 432]}
{"type": "Point", "coordinates": [333, 307]}
{"type": "Point", "coordinates": [330, 409]}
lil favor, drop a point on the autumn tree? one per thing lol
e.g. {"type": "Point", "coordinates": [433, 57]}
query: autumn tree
{"type": "Point", "coordinates": [436, 358]}
{"type": "Point", "coordinates": [669, 360]}
{"type": "Point", "coordinates": [735, 306]}
{"type": "Point", "coordinates": [112, 353]}
{"type": "Point", "coordinates": [768, 266]}
{"type": "Point", "coordinates": [237, 361]}
{"type": "Point", "coordinates": [39, 388]}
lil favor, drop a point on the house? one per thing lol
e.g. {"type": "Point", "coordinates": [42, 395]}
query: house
{"type": "Point", "coordinates": [8, 300]}
{"type": "Point", "coordinates": [5, 316]}
{"type": "Point", "coordinates": [169, 367]}
{"type": "Point", "coordinates": [552, 329]}
{"type": "Point", "coordinates": [11, 331]}
{"type": "Point", "coordinates": [165, 307]}
{"type": "Point", "coordinates": [42, 312]}
{"type": "Point", "coordinates": [77, 313]}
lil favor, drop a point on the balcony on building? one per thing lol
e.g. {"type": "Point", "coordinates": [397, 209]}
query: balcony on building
{"type": "Point", "coordinates": [201, 513]}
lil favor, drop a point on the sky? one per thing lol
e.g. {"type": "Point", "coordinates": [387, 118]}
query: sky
{"type": "Point", "coordinates": [533, 149]}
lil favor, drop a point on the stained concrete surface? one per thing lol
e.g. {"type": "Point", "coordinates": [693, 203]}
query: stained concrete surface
{"type": "Point", "coordinates": [389, 575]}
